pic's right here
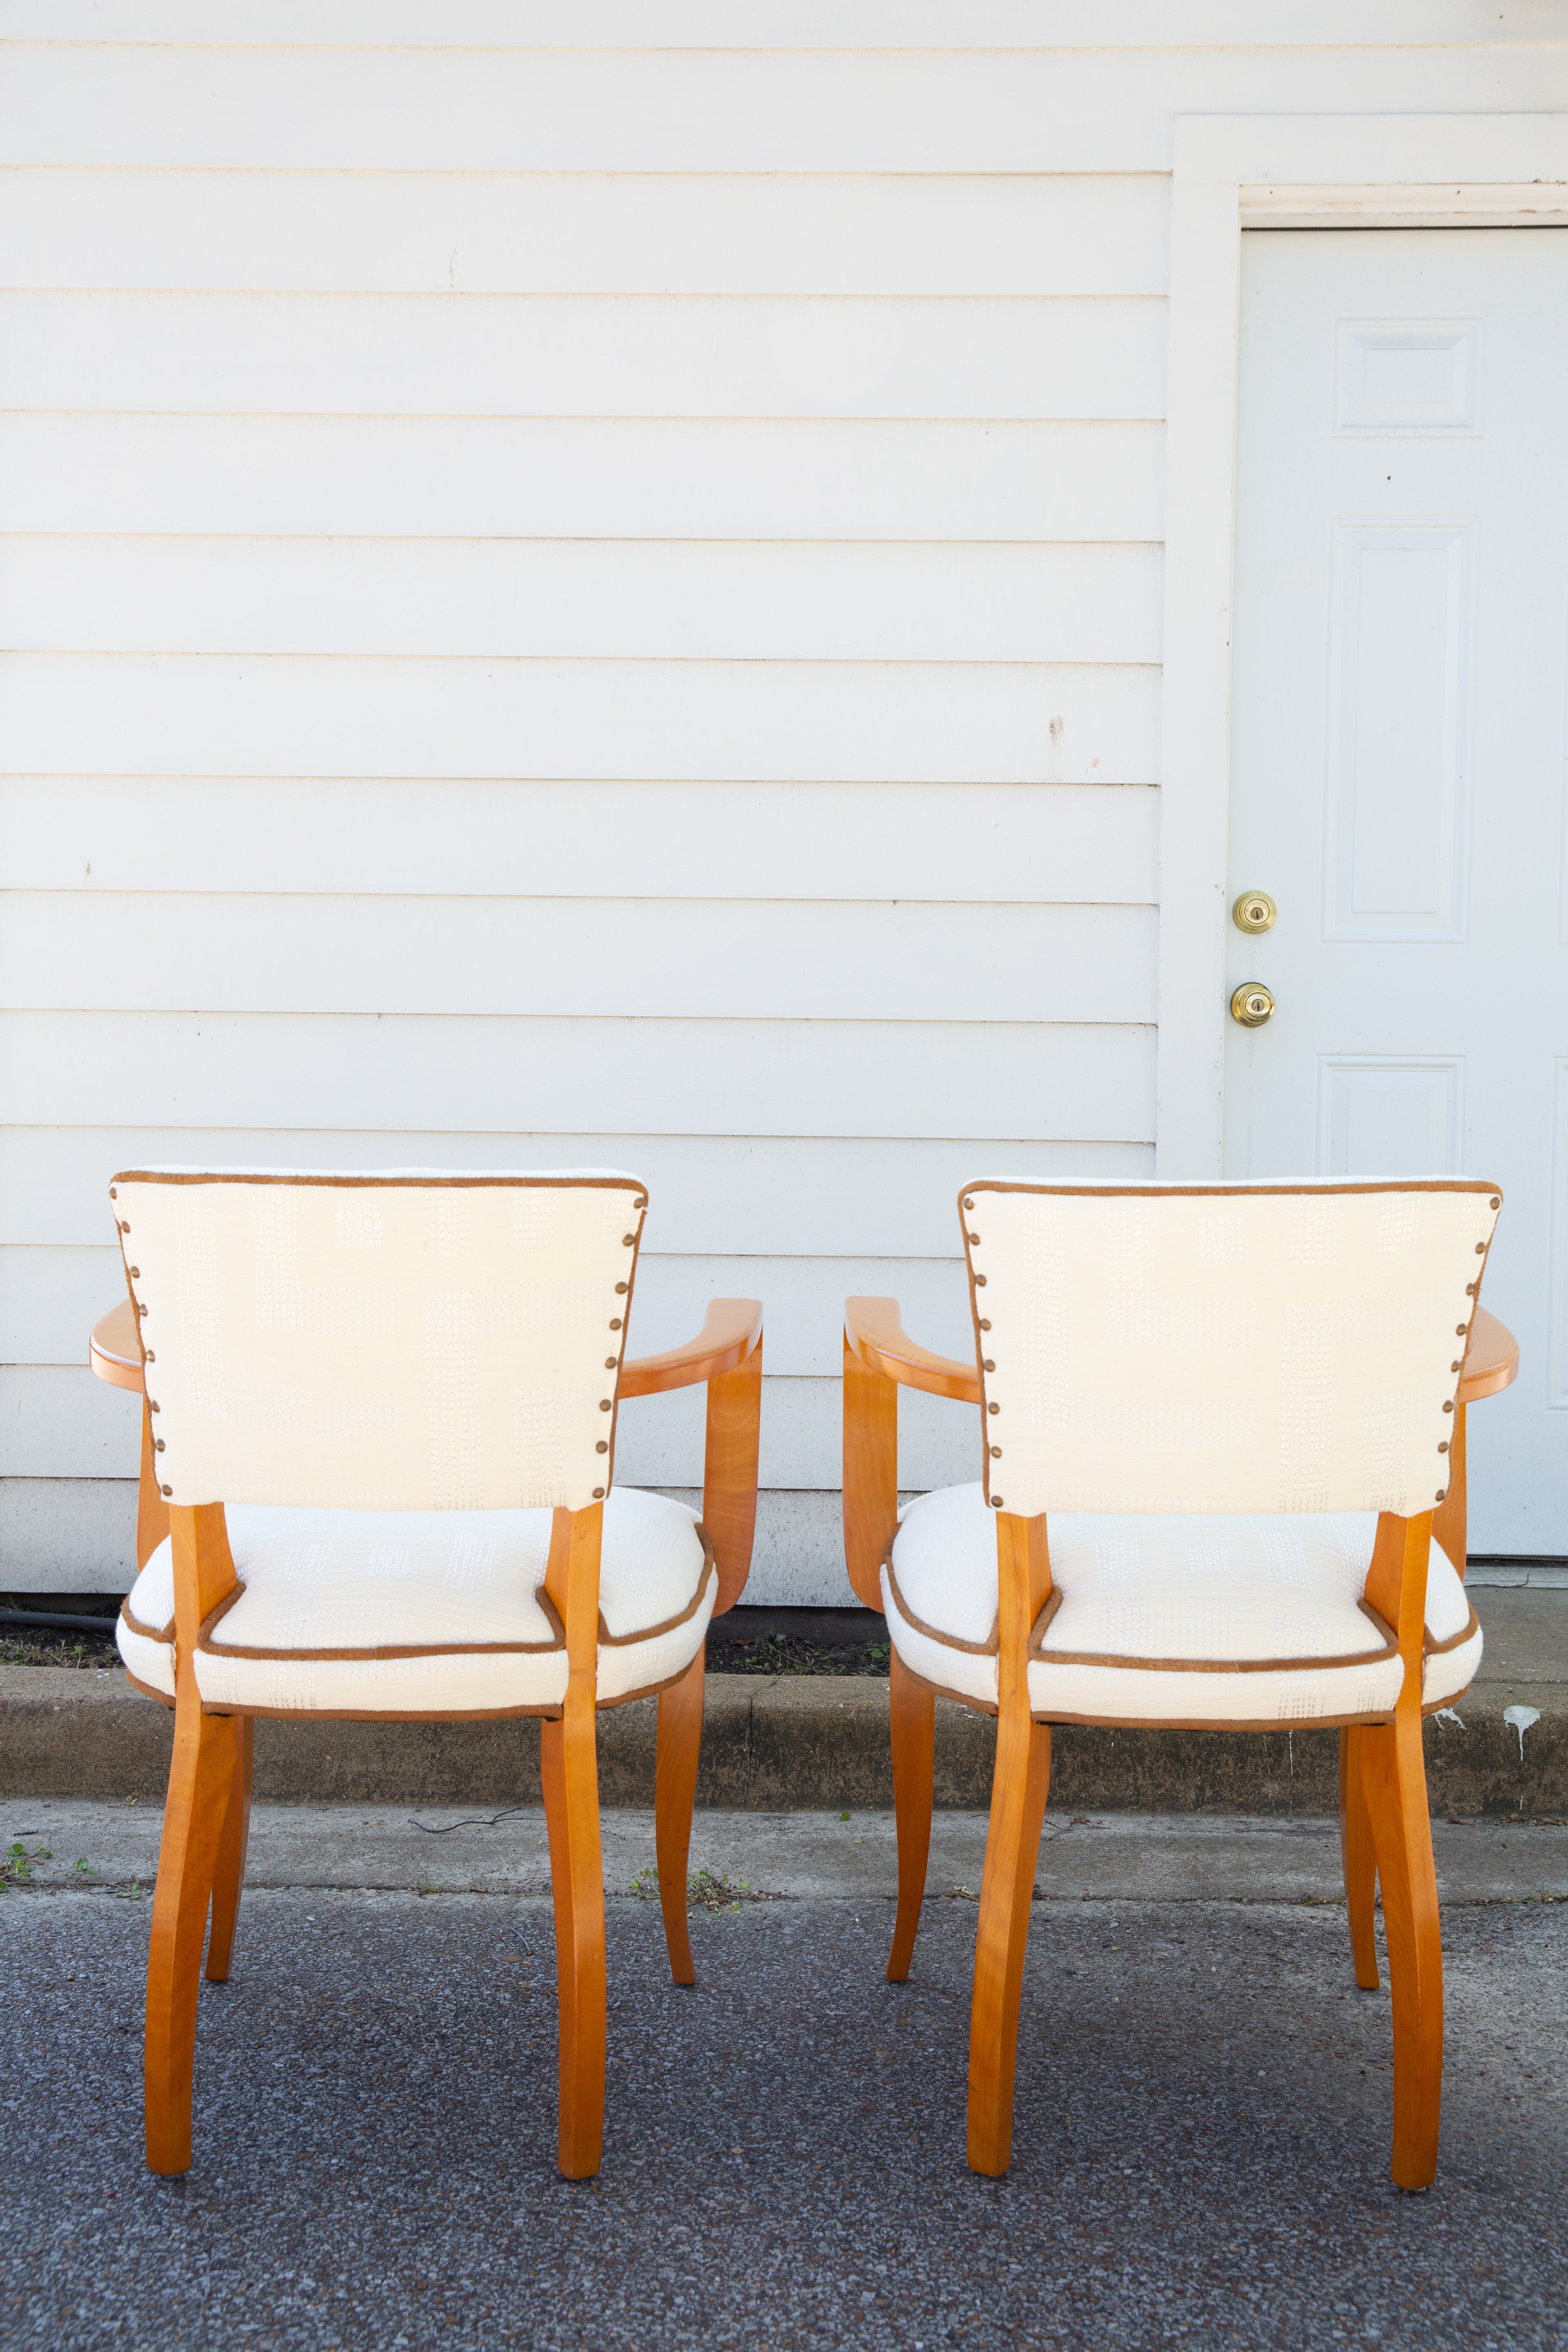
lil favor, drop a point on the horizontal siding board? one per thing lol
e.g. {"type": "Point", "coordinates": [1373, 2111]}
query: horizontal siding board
{"type": "Point", "coordinates": [58, 1421]}
{"type": "Point", "coordinates": [574, 477]}
{"type": "Point", "coordinates": [50, 1299]}
{"type": "Point", "coordinates": [736, 1077]}
{"type": "Point", "coordinates": [808, 1196]}
{"type": "Point", "coordinates": [280, 715]}
{"type": "Point", "coordinates": [662, 109]}
{"type": "Point", "coordinates": [627, 599]}
{"type": "Point", "coordinates": [814, 25]}
{"type": "Point", "coordinates": [980, 843]}
{"type": "Point", "coordinates": [577, 232]}
{"type": "Point", "coordinates": [660, 959]}
{"type": "Point", "coordinates": [549, 356]}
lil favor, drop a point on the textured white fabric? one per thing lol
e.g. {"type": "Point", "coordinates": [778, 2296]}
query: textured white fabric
{"type": "Point", "coordinates": [379, 1343]}
{"type": "Point", "coordinates": [435, 1580]}
{"type": "Point", "coordinates": [1218, 1587]}
{"type": "Point", "coordinates": [1226, 1349]}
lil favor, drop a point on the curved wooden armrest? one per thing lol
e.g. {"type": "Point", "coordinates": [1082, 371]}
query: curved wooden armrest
{"type": "Point", "coordinates": [873, 1331]}
{"type": "Point", "coordinates": [730, 1331]}
{"type": "Point", "coordinates": [114, 1351]}
{"type": "Point", "coordinates": [1491, 1357]}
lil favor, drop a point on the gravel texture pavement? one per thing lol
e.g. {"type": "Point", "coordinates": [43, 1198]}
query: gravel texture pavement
{"type": "Point", "coordinates": [1201, 2148]}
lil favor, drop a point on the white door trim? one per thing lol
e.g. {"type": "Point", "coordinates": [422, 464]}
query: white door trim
{"type": "Point", "coordinates": [1231, 171]}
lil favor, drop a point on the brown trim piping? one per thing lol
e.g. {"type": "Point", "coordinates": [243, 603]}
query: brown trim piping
{"type": "Point", "coordinates": [629, 1640]}
{"type": "Point", "coordinates": [148, 1633]}
{"type": "Point", "coordinates": [1153, 1191]}
{"type": "Point", "coordinates": [381, 1651]}
{"type": "Point", "coordinates": [539, 1181]}
{"type": "Point", "coordinates": [165, 1698]}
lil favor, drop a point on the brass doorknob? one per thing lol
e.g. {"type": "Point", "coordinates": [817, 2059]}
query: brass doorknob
{"type": "Point", "coordinates": [1252, 1004]}
{"type": "Point", "coordinates": [1254, 911]}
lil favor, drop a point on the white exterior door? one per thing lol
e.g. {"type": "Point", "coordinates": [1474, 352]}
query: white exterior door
{"type": "Point", "coordinates": [1397, 762]}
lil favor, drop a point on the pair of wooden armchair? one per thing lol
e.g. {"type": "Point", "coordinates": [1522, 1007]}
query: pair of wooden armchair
{"type": "Point", "coordinates": [1223, 1454]}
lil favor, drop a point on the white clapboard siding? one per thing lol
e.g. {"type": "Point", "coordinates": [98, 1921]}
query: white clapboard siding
{"type": "Point", "coordinates": [51, 1298]}
{"type": "Point", "coordinates": [595, 233]}
{"type": "Point", "coordinates": [572, 478]}
{"type": "Point", "coordinates": [637, 599]}
{"type": "Point", "coordinates": [592, 355]}
{"type": "Point", "coordinates": [697, 1077]}
{"type": "Point", "coordinates": [671, 959]}
{"type": "Point", "coordinates": [663, 110]}
{"type": "Point", "coordinates": [56, 1421]}
{"type": "Point", "coordinates": [856, 721]}
{"type": "Point", "coordinates": [787, 1196]}
{"type": "Point", "coordinates": [776, 24]}
{"type": "Point", "coordinates": [964, 843]}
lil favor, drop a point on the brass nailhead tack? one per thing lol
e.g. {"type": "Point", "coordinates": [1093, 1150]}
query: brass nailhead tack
{"type": "Point", "coordinates": [602, 1447]}
{"type": "Point", "coordinates": [151, 1358]}
{"type": "Point", "coordinates": [620, 1289]}
{"type": "Point", "coordinates": [139, 1308]}
{"type": "Point", "coordinates": [1480, 1249]}
{"type": "Point", "coordinates": [990, 1363]}
{"type": "Point", "coordinates": [1443, 1446]}
{"type": "Point", "coordinates": [1496, 1204]}
{"type": "Point", "coordinates": [993, 1408]}
{"type": "Point", "coordinates": [1456, 1366]}
{"type": "Point", "coordinates": [166, 1490]}
{"type": "Point", "coordinates": [995, 1502]}
{"type": "Point", "coordinates": [628, 1241]}
{"type": "Point", "coordinates": [974, 1237]}
{"type": "Point", "coordinates": [969, 1204]}
{"type": "Point", "coordinates": [598, 1493]}
{"type": "Point", "coordinates": [136, 1273]}
{"type": "Point", "coordinates": [151, 1406]}
{"type": "Point", "coordinates": [1470, 1290]}
{"type": "Point", "coordinates": [1449, 1406]}
{"type": "Point", "coordinates": [996, 1454]}
{"type": "Point", "coordinates": [112, 1194]}
{"type": "Point", "coordinates": [614, 1322]}
{"type": "Point", "coordinates": [609, 1363]}
{"type": "Point", "coordinates": [980, 1278]}
{"type": "Point", "coordinates": [157, 1445]}
{"type": "Point", "coordinates": [1461, 1329]}
{"type": "Point", "coordinates": [1442, 1495]}
{"type": "Point", "coordinates": [984, 1324]}
{"type": "Point", "coordinates": [604, 1405]}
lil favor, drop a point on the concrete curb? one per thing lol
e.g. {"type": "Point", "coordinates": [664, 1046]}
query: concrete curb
{"type": "Point", "coordinates": [798, 1744]}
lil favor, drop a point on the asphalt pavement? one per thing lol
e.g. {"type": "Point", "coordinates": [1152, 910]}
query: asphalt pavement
{"type": "Point", "coordinates": [1202, 2129]}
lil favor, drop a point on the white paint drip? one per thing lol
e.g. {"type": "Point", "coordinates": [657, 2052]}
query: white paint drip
{"type": "Point", "coordinates": [1448, 1715]}
{"type": "Point", "coordinates": [1522, 1718]}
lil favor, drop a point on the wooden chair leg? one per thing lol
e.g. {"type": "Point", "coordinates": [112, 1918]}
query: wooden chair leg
{"type": "Point", "coordinates": [675, 1787]}
{"type": "Point", "coordinates": [228, 1879]}
{"type": "Point", "coordinates": [913, 1718]}
{"type": "Point", "coordinates": [1018, 1795]}
{"type": "Point", "coordinates": [1395, 1777]}
{"type": "Point", "coordinates": [1360, 1859]}
{"type": "Point", "coordinates": [200, 1779]}
{"type": "Point", "coordinates": [569, 1770]}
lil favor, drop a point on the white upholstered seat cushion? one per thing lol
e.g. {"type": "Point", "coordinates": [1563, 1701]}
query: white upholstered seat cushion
{"type": "Point", "coordinates": [1207, 1600]}
{"type": "Point", "coordinates": [459, 1590]}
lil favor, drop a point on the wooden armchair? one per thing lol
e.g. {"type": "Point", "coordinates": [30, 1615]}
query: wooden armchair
{"type": "Point", "coordinates": [994, 1603]}
{"type": "Point", "coordinates": [377, 1481]}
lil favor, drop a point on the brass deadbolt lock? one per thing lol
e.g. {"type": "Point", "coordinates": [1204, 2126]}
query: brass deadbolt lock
{"type": "Point", "coordinates": [1254, 911]}
{"type": "Point", "coordinates": [1252, 1004]}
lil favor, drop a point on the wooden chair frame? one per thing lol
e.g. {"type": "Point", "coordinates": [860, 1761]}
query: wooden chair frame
{"type": "Point", "coordinates": [1384, 1825]}
{"type": "Point", "coordinates": [207, 1818]}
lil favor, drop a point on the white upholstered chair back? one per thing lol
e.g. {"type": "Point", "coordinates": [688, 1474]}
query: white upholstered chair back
{"type": "Point", "coordinates": [1222, 1347]}
{"type": "Point", "coordinates": [398, 1343]}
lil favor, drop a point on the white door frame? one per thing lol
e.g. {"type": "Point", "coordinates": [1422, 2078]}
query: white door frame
{"type": "Point", "coordinates": [1232, 172]}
